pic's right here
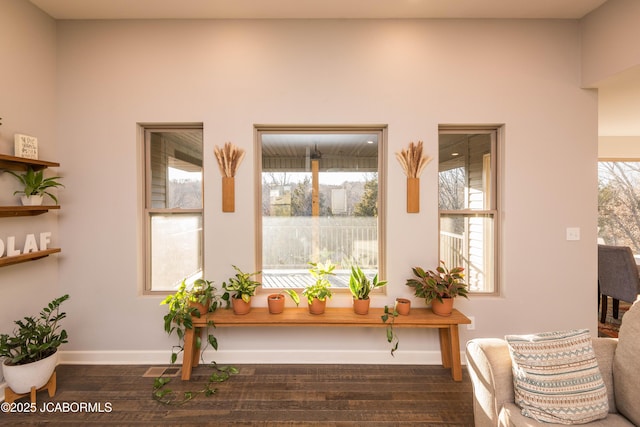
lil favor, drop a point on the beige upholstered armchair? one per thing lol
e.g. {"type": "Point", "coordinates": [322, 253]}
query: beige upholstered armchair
{"type": "Point", "coordinates": [490, 367]}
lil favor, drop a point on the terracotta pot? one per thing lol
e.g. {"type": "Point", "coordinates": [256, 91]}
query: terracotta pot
{"type": "Point", "coordinates": [276, 303]}
{"type": "Point", "coordinates": [443, 308]}
{"type": "Point", "coordinates": [361, 306]}
{"type": "Point", "coordinates": [403, 306]}
{"type": "Point", "coordinates": [240, 307]}
{"type": "Point", "coordinates": [317, 306]}
{"type": "Point", "coordinates": [202, 308]}
{"type": "Point", "coordinates": [20, 378]}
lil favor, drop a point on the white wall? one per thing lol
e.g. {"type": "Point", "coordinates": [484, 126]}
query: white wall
{"type": "Point", "coordinates": [83, 93]}
{"type": "Point", "coordinates": [411, 75]}
{"type": "Point", "coordinates": [610, 37]}
{"type": "Point", "coordinates": [27, 105]}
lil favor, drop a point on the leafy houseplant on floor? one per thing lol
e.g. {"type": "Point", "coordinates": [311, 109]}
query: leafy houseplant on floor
{"type": "Point", "coordinates": [35, 186]}
{"type": "Point", "coordinates": [360, 287]}
{"type": "Point", "coordinates": [239, 291]}
{"type": "Point", "coordinates": [31, 352]}
{"type": "Point", "coordinates": [276, 301]}
{"type": "Point", "coordinates": [318, 293]}
{"type": "Point", "coordinates": [439, 287]}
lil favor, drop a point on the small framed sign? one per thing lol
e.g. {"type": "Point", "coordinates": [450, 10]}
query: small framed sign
{"type": "Point", "coordinates": [26, 146]}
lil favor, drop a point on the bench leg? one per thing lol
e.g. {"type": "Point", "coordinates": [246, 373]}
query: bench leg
{"type": "Point", "coordinates": [450, 351]}
{"type": "Point", "coordinates": [456, 364]}
{"type": "Point", "coordinates": [189, 353]}
{"type": "Point", "coordinates": [445, 347]}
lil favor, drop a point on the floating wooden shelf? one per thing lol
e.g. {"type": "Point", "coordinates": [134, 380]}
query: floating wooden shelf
{"type": "Point", "coordinates": [27, 257]}
{"type": "Point", "coordinates": [21, 164]}
{"type": "Point", "coordinates": [9, 211]}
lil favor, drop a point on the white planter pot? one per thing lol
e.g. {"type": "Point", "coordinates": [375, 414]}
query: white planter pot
{"type": "Point", "coordinates": [34, 200]}
{"type": "Point", "coordinates": [20, 378]}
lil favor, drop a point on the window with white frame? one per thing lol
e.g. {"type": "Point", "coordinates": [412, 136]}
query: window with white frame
{"type": "Point", "coordinates": [173, 206]}
{"type": "Point", "coordinates": [468, 203]}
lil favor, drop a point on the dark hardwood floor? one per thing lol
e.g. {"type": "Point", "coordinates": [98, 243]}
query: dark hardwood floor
{"type": "Point", "coordinates": [275, 395]}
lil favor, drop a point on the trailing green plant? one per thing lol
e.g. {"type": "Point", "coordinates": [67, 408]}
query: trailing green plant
{"type": "Point", "coordinates": [35, 338]}
{"type": "Point", "coordinates": [439, 283]}
{"type": "Point", "coordinates": [360, 285]}
{"type": "Point", "coordinates": [181, 312]}
{"type": "Point", "coordinates": [35, 184]}
{"type": "Point", "coordinates": [321, 289]}
{"type": "Point", "coordinates": [168, 396]}
{"type": "Point", "coordinates": [390, 316]}
{"type": "Point", "coordinates": [178, 319]}
{"type": "Point", "coordinates": [241, 286]}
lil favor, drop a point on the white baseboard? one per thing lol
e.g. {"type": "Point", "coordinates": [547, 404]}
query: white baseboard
{"type": "Point", "coordinates": [255, 357]}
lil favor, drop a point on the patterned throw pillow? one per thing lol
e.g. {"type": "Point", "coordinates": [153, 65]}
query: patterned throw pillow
{"type": "Point", "coordinates": [556, 377]}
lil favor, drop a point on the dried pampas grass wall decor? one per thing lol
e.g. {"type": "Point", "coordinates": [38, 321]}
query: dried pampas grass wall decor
{"type": "Point", "coordinates": [413, 162]}
{"type": "Point", "coordinates": [229, 159]}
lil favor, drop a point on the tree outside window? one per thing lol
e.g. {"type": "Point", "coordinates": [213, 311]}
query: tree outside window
{"type": "Point", "coordinates": [619, 204]}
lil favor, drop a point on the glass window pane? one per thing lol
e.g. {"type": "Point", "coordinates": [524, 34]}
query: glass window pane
{"type": "Point", "coordinates": [465, 171]}
{"type": "Point", "coordinates": [176, 249]}
{"type": "Point", "coordinates": [618, 202]}
{"type": "Point", "coordinates": [467, 241]}
{"type": "Point", "coordinates": [319, 202]}
{"type": "Point", "coordinates": [176, 169]}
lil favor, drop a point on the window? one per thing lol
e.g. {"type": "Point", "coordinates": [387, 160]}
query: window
{"type": "Point", "coordinates": [173, 206]}
{"type": "Point", "coordinates": [321, 199]}
{"type": "Point", "coordinates": [618, 204]}
{"type": "Point", "coordinates": [467, 171]}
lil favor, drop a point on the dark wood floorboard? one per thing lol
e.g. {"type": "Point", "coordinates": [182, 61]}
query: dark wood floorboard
{"type": "Point", "coordinates": [261, 395]}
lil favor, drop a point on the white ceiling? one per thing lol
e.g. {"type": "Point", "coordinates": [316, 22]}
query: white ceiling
{"type": "Point", "coordinates": [272, 9]}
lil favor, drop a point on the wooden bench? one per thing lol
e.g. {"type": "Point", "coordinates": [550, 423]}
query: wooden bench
{"type": "Point", "coordinates": [418, 318]}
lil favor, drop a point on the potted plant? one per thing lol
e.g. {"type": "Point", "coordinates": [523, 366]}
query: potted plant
{"type": "Point", "coordinates": [35, 186]}
{"type": "Point", "coordinates": [439, 287]}
{"type": "Point", "coordinates": [186, 303]}
{"type": "Point", "coordinates": [360, 287]}
{"type": "Point", "coordinates": [275, 302]}
{"type": "Point", "coordinates": [318, 293]}
{"type": "Point", "coordinates": [239, 291]}
{"type": "Point", "coordinates": [31, 352]}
